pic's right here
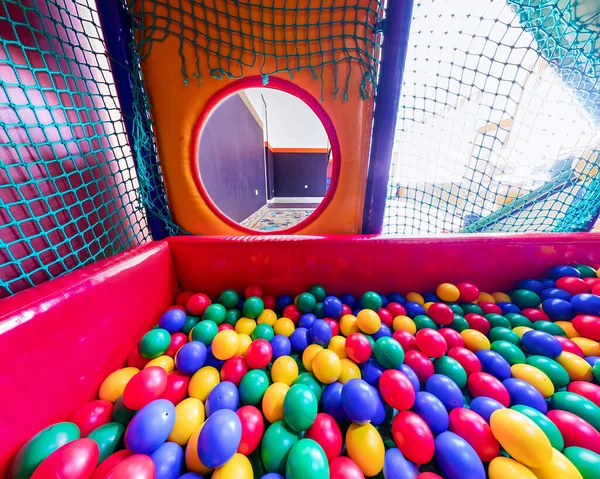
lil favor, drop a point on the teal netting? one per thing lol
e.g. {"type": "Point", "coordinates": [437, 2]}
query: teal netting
{"type": "Point", "coordinates": [499, 125]}
{"type": "Point", "coordinates": [279, 36]}
{"type": "Point", "coordinates": [68, 187]}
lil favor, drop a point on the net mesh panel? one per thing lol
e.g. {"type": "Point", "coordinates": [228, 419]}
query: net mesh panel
{"type": "Point", "coordinates": [499, 124]}
{"type": "Point", "coordinates": [68, 187]}
{"type": "Point", "coordinates": [280, 36]}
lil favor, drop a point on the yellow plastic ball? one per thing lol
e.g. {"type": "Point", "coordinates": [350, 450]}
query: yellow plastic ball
{"type": "Point", "coordinates": [348, 324]}
{"type": "Point", "coordinates": [485, 298]}
{"type": "Point", "coordinates": [568, 328]}
{"type": "Point", "coordinates": [245, 341]}
{"type": "Point", "coordinates": [415, 298]}
{"type": "Point", "coordinates": [245, 326]}
{"type": "Point", "coordinates": [350, 370]}
{"type": "Point", "coordinates": [521, 330]}
{"type": "Point", "coordinates": [588, 346]}
{"type": "Point", "coordinates": [238, 467]}
{"type": "Point", "coordinates": [165, 362]}
{"type": "Point", "coordinates": [192, 461]}
{"type": "Point", "coordinates": [522, 438]}
{"type": "Point", "coordinates": [272, 402]}
{"type": "Point", "coordinates": [404, 323]}
{"type": "Point", "coordinates": [189, 414]}
{"type": "Point", "coordinates": [447, 292]}
{"type": "Point", "coordinates": [203, 382]}
{"type": "Point", "coordinates": [365, 447]}
{"type": "Point", "coordinates": [559, 467]}
{"type": "Point", "coordinates": [225, 344]}
{"type": "Point", "coordinates": [368, 321]}
{"type": "Point", "coordinates": [309, 355]}
{"type": "Point", "coordinates": [577, 368]}
{"type": "Point", "coordinates": [284, 326]}
{"type": "Point", "coordinates": [426, 306]}
{"type": "Point", "coordinates": [268, 316]}
{"type": "Point", "coordinates": [504, 468]}
{"type": "Point", "coordinates": [338, 346]}
{"type": "Point", "coordinates": [475, 340]}
{"type": "Point", "coordinates": [327, 366]}
{"type": "Point", "coordinates": [538, 379]}
{"type": "Point", "coordinates": [284, 370]}
{"type": "Point", "coordinates": [500, 297]}
{"type": "Point", "coordinates": [113, 386]}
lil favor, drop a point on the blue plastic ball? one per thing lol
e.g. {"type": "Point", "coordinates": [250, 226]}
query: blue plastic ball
{"type": "Point", "coordinates": [508, 308]}
{"type": "Point", "coordinates": [331, 400]}
{"type": "Point", "coordinates": [431, 297]}
{"type": "Point", "coordinates": [547, 283]}
{"type": "Point", "coordinates": [445, 390]}
{"type": "Point", "coordinates": [562, 271]}
{"type": "Point", "coordinates": [558, 309]}
{"type": "Point", "coordinates": [524, 393]}
{"type": "Point", "coordinates": [494, 364]}
{"type": "Point", "coordinates": [320, 332]}
{"type": "Point", "coordinates": [396, 298]}
{"type": "Point", "coordinates": [541, 343]}
{"type": "Point", "coordinates": [272, 475]}
{"type": "Point", "coordinates": [413, 309]}
{"type": "Point", "coordinates": [168, 461]}
{"type": "Point", "coordinates": [432, 411]}
{"type": "Point", "coordinates": [150, 427]}
{"type": "Point", "coordinates": [555, 293]}
{"type": "Point", "coordinates": [358, 401]}
{"type": "Point", "coordinates": [395, 466]}
{"type": "Point", "coordinates": [224, 395]}
{"type": "Point", "coordinates": [456, 458]}
{"type": "Point", "coordinates": [485, 406]}
{"type": "Point", "coordinates": [240, 304]}
{"type": "Point", "coordinates": [219, 438]}
{"type": "Point", "coordinates": [371, 371]}
{"type": "Point", "coordinates": [283, 301]}
{"type": "Point", "coordinates": [211, 360]}
{"type": "Point", "coordinates": [592, 360]}
{"type": "Point", "coordinates": [191, 357]}
{"type": "Point", "coordinates": [348, 300]}
{"type": "Point", "coordinates": [191, 475]}
{"type": "Point", "coordinates": [300, 339]}
{"type": "Point", "coordinates": [410, 374]}
{"type": "Point", "coordinates": [383, 331]}
{"type": "Point", "coordinates": [306, 320]}
{"type": "Point", "coordinates": [531, 284]}
{"type": "Point", "coordinates": [586, 304]}
{"type": "Point", "coordinates": [281, 346]}
{"type": "Point", "coordinates": [332, 307]}
{"type": "Point", "coordinates": [384, 300]}
{"type": "Point", "coordinates": [380, 410]}
{"type": "Point", "coordinates": [172, 320]}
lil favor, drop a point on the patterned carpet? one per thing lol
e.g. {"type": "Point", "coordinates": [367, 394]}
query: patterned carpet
{"type": "Point", "coordinates": [278, 219]}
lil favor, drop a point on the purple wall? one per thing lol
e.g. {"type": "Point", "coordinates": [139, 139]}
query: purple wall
{"type": "Point", "coordinates": [231, 159]}
{"type": "Point", "coordinates": [291, 171]}
{"type": "Point", "coordinates": [270, 177]}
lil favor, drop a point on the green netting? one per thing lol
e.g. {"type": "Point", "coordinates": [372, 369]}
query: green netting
{"type": "Point", "coordinates": [68, 187]}
{"type": "Point", "coordinates": [281, 36]}
{"type": "Point", "coordinates": [499, 125]}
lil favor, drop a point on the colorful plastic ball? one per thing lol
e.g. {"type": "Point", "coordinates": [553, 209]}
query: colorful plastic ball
{"type": "Point", "coordinates": [229, 298]}
{"type": "Point", "coordinates": [215, 313]}
{"type": "Point", "coordinates": [525, 298]}
{"type": "Point", "coordinates": [292, 312]}
{"type": "Point", "coordinates": [440, 313]}
{"type": "Point", "coordinates": [388, 352]}
{"type": "Point", "coordinates": [266, 332]}
{"type": "Point", "coordinates": [203, 382]}
{"type": "Point", "coordinates": [219, 438]}
{"type": "Point", "coordinates": [431, 343]}
{"type": "Point", "coordinates": [575, 430]}
{"type": "Point", "coordinates": [371, 372]}
{"type": "Point", "coordinates": [371, 300]}
{"type": "Point", "coordinates": [557, 374]}
{"type": "Point", "coordinates": [338, 346]}
{"type": "Point", "coordinates": [205, 331]}
{"type": "Point", "coordinates": [225, 345]}
{"type": "Point", "coordinates": [276, 446]}
{"type": "Point", "coordinates": [456, 458]}
{"type": "Point", "coordinates": [164, 362]}
{"type": "Point", "coordinates": [177, 341]}
{"type": "Point", "coordinates": [358, 401]}
{"type": "Point", "coordinates": [326, 432]}
{"type": "Point", "coordinates": [154, 343]}
{"type": "Point", "coordinates": [471, 427]}
{"type": "Point", "coordinates": [478, 323]}
{"type": "Point", "coordinates": [150, 427]}
{"type": "Point", "coordinates": [306, 320]}
{"type": "Point", "coordinates": [396, 389]}
{"type": "Point", "coordinates": [284, 370]}
{"type": "Point", "coordinates": [413, 309]}
{"type": "Point", "coordinates": [331, 401]}
{"type": "Point", "coordinates": [467, 292]}
{"type": "Point", "coordinates": [253, 307]}
{"type": "Point", "coordinates": [587, 390]}
{"type": "Point", "coordinates": [419, 363]}
{"type": "Point", "coordinates": [300, 407]}
{"type": "Point", "coordinates": [138, 466]}
{"type": "Point", "coordinates": [136, 360]}
{"type": "Point", "coordinates": [335, 327]}
{"type": "Point", "coordinates": [309, 354]}
{"type": "Point", "coordinates": [259, 354]}
{"type": "Point", "coordinates": [413, 437]}
{"type": "Point", "coordinates": [348, 324]}
{"type": "Point", "coordinates": [225, 326]}
{"type": "Point", "coordinates": [113, 386]}
{"type": "Point", "coordinates": [365, 447]}
{"type": "Point", "coordinates": [234, 369]}
{"type": "Point", "coordinates": [122, 414]}
{"type": "Point", "coordinates": [309, 380]}
{"type": "Point", "coordinates": [253, 387]}
{"type": "Point", "coordinates": [300, 339]}
{"type": "Point", "coordinates": [578, 405]}
{"type": "Point", "coordinates": [92, 415]}
{"type": "Point", "coordinates": [406, 340]}
{"type": "Point", "coordinates": [445, 390]}
{"type": "Point", "coordinates": [272, 401]}
{"type": "Point", "coordinates": [558, 309]}
{"type": "Point", "coordinates": [320, 332]}
{"type": "Point", "coordinates": [182, 298]}
{"type": "Point", "coordinates": [386, 317]}
{"type": "Point", "coordinates": [332, 307]}
{"type": "Point", "coordinates": [281, 346]}
{"type": "Point", "coordinates": [306, 302]}
{"type": "Point", "coordinates": [245, 326]}
{"type": "Point", "coordinates": [172, 320]}
{"type": "Point", "coordinates": [232, 316]}
{"type": "Point", "coordinates": [424, 322]}
{"type": "Point", "coordinates": [467, 359]}
{"type": "Point", "coordinates": [326, 366]}
{"type": "Point", "coordinates": [483, 384]}
{"type": "Point", "coordinates": [349, 370]}
{"type": "Point", "coordinates": [307, 459]}
{"type": "Point", "coordinates": [191, 357]}
{"type": "Point", "coordinates": [253, 427]}
{"type": "Point", "coordinates": [587, 326]}
{"type": "Point", "coordinates": [545, 424]}
{"type": "Point", "coordinates": [586, 461]}
{"type": "Point", "coordinates": [144, 387]}
{"type": "Point", "coordinates": [368, 321]}
{"type": "Point", "coordinates": [541, 343]}
{"type": "Point", "coordinates": [451, 368]}
{"type": "Point", "coordinates": [223, 396]}
{"type": "Point", "coordinates": [168, 460]}
{"type": "Point", "coordinates": [475, 340]}
{"type": "Point", "coordinates": [192, 461]}
{"type": "Point", "coordinates": [343, 467]}
{"type": "Point", "coordinates": [358, 348]}
{"type": "Point", "coordinates": [494, 364]}
{"type": "Point", "coordinates": [485, 406]}
{"type": "Point", "coordinates": [448, 292]}
{"type": "Point", "coordinates": [189, 415]}
{"type": "Point", "coordinates": [197, 304]}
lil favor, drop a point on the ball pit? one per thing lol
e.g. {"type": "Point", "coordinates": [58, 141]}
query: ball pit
{"type": "Point", "coordinates": [448, 384]}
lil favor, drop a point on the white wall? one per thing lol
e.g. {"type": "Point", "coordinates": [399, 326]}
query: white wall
{"type": "Point", "coordinates": [291, 123]}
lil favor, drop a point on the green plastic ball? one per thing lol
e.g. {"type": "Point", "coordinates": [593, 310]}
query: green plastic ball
{"type": "Point", "coordinates": [229, 298]}
{"type": "Point", "coordinates": [500, 333]}
{"type": "Point", "coordinates": [306, 302]}
{"type": "Point", "coordinates": [205, 331]}
{"type": "Point", "coordinates": [578, 405]}
{"type": "Point", "coordinates": [154, 343]}
{"type": "Point", "coordinates": [371, 340]}
{"type": "Point", "coordinates": [549, 327]}
{"type": "Point", "coordinates": [309, 380]}
{"type": "Point", "coordinates": [451, 368]}
{"type": "Point", "coordinates": [276, 445]}
{"type": "Point", "coordinates": [307, 459]}
{"type": "Point", "coordinates": [107, 437]}
{"type": "Point", "coordinates": [215, 312]}
{"type": "Point", "coordinates": [459, 323]}
{"type": "Point", "coordinates": [557, 374]}
{"type": "Point", "coordinates": [190, 322]}
{"type": "Point", "coordinates": [524, 298]}
{"type": "Point", "coordinates": [263, 331]}
{"type": "Point", "coordinates": [509, 351]}
{"type": "Point", "coordinates": [318, 292]}
{"type": "Point", "coordinates": [471, 308]}
{"type": "Point", "coordinates": [586, 271]}
{"type": "Point", "coordinates": [456, 309]}
{"type": "Point", "coordinates": [596, 371]}
{"type": "Point", "coordinates": [232, 316]}
{"type": "Point", "coordinates": [389, 352]}
{"type": "Point", "coordinates": [587, 462]}
{"type": "Point", "coordinates": [253, 386]}
{"type": "Point", "coordinates": [300, 407]}
{"type": "Point", "coordinates": [497, 320]}
{"type": "Point", "coordinates": [517, 319]}
{"type": "Point", "coordinates": [253, 307]}
{"type": "Point", "coordinates": [423, 322]}
{"type": "Point", "coordinates": [371, 300]}
{"type": "Point", "coordinates": [318, 311]}
{"type": "Point", "coordinates": [545, 424]}
{"type": "Point", "coordinates": [121, 413]}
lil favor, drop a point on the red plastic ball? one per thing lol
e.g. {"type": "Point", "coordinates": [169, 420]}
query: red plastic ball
{"type": "Point", "coordinates": [138, 466]}
{"type": "Point", "coordinates": [478, 322]}
{"type": "Point", "coordinates": [269, 302]}
{"type": "Point", "coordinates": [572, 285]}
{"type": "Point", "coordinates": [259, 354]}
{"type": "Point", "coordinates": [472, 428]}
{"type": "Point", "coordinates": [358, 348]}
{"type": "Point", "coordinates": [441, 313]}
{"type": "Point", "coordinates": [431, 343]}
{"type": "Point", "coordinates": [345, 310]}
{"type": "Point", "coordinates": [592, 282]}
{"type": "Point", "coordinates": [385, 316]}
{"type": "Point", "coordinates": [587, 390]}
{"type": "Point", "coordinates": [180, 308]}
{"type": "Point", "coordinates": [197, 304]}
{"type": "Point", "coordinates": [575, 430]}
{"type": "Point", "coordinates": [570, 346]}
{"type": "Point", "coordinates": [335, 327]}
{"type": "Point", "coordinates": [182, 298]}
{"type": "Point", "coordinates": [110, 462]}
{"type": "Point", "coordinates": [234, 369]}
{"type": "Point", "coordinates": [326, 432]}
{"type": "Point", "coordinates": [467, 359]}
{"type": "Point", "coordinates": [74, 460]}
{"type": "Point", "coordinates": [343, 467]}
{"type": "Point", "coordinates": [135, 359]}
{"type": "Point", "coordinates": [587, 326]}
{"type": "Point", "coordinates": [490, 308]}
{"type": "Point", "coordinates": [483, 384]}
{"type": "Point", "coordinates": [253, 290]}
{"type": "Point", "coordinates": [429, 475]}
{"type": "Point", "coordinates": [253, 428]}
{"type": "Point", "coordinates": [92, 415]}
{"type": "Point", "coordinates": [419, 363]}
{"type": "Point", "coordinates": [452, 337]}
{"type": "Point", "coordinates": [177, 387]}
{"type": "Point", "coordinates": [146, 386]}
{"type": "Point", "coordinates": [413, 437]}
{"type": "Point", "coordinates": [396, 309]}
{"type": "Point", "coordinates": [534, 314]}
{"type": "Point", "coordinates": [177, 340]}
{"type": "Point", "coordinates": [397, 390]}
{"type": "Point", "coordinates": [406, 340]}
{"type": "Point", "coordinates": [292, 312]}
{"type": "Point", "coordinates": [224, 326]}
{"type": "Point", "coordinates": [468, 292]}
